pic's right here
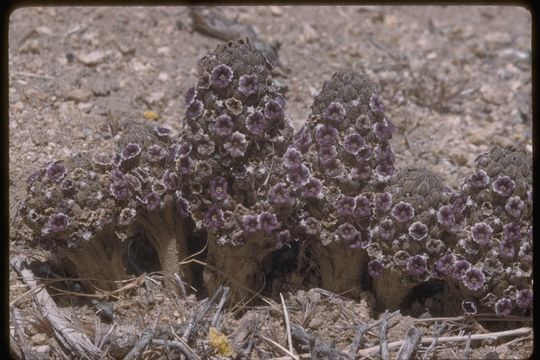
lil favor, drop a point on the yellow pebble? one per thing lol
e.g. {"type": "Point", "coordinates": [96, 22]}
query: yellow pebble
{"type": "Point", "coordinates": [151, 115]}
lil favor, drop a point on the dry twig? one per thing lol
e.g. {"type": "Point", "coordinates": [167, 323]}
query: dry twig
{"type": "Point", "coordinates": [287, 324]}
{"type": "Point", "coordinates": [407, 349]}
{"type": "Point", "coordinates": [440, 329]}
{"type": "Point", "coordinates": [492, 336]}
{"type": "Point", "coordinates": [383, 342]}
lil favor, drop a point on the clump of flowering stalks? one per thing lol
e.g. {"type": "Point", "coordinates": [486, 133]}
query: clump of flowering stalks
{"type": "Point", "coordinates": [496, 248]}
{"type": "Point", "coordinates": [235, 131]}
{"type": "Point", "coordinates": [408, 236]}
{"type": "Point", "coordinates": [90, 207]}
{"type": "Point", "coordinates": [334, 164]}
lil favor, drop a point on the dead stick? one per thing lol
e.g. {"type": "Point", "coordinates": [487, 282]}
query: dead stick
{"type": "Point", "coordinates": [440, 329]}
{"type": "Point", "coordinates": [407, 349]}
{"type": "Point", "coordinates": [199, 315]}
{"type": "Point", "coordinates": [467, 350]}
{"type": "Point", "coordinates": [492, 336]}
{"type": "Point", "coordinates": [146, 338]}
{"type": "Point", "coordinates": [383, 342]}
{"type": "Point", "coordinates": [361, 330]}
{"type": "Point", "coordinates": [313, 348]}
{"type": "Point", "coordinates": [182, 346]}
{"type": "Point", "coordinates": [278, 346]}
{"type": "Point", "coordinates": [218, 314]}
{"type": "Point", "coordinates": [287, 323]}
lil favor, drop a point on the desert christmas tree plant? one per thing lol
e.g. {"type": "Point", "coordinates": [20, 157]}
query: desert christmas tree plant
{"type": "Point", "coordinates": [240, 175]}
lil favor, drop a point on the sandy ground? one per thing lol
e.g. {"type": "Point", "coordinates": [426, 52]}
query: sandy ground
{"type": "Point", "coordinates": [455, 81]}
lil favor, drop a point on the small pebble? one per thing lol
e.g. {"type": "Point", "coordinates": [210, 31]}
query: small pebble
{"type": "Point", "coordinates": [93, 58]}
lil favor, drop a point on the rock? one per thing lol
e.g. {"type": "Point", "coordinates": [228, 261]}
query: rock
{"type": "Point", "coordinates": [164, 50]}
{"type": "Point", "coordinates": [276, 10]}
{"type": "Point", "coordinates": [309, 34]}
{"type": "Point", "coordinates": [163, 76]}
{"type": "Point", "coordinates": [41, 350]}
{"type": "Point", "coordinates": [315, 323]}
{"type": "Point", "coordinates": [154, 97]}
{"type": "Point", "coordinates": [476, 139]}
{"type": "Point", "coordinates": [78, 95]}
{"type": "Point", "coordinates": [85, 107]}
{"type": "Point", "coordinates": [43, 30]}
{"type": "Point", "coordinates": [93, 58]}
{"type": "Point", "coordinates": [39, 339]}
{"type": "Point", "coordinates": [30, 46]}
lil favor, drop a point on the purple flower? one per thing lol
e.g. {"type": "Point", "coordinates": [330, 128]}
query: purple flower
{"type": "Point", "coordinates": [460, 268]}
{"type": "Point", "coordinates": [184, 164]}
{"type": "Point", "coordinates": [190, 95]}
{"type": "Point", "coordinates": [155, 153]}
{"type": "Point", "coordinates": [255, 123]}
{"type": "Point", "coordinates": [248, 85]}
{"type": "Point", "coordinates": [345, 206]}
{"type": "Point", "coordinates": [205, 146]}
{"type": "Point", "coordinates": [162, 132]}
{"type": "Point", "coordinates": [312, 226]}
{"type": "Point", "coordinates": [469, 307]}
{"type": "Point", "coordinates": [171, 180]}
{"type": "Point", "coordinates": [327, 154]}
{"type": "Point", "coordinates": [204, 81]}
{"type": "Point", "coordinates": [268, 222]}
{"type": "Point", "coordinates": [131, 151]}
{"type": "Point", "coordinates": [292, 159]}
{"type": "Point", "coordinates": [221, 76]}
{"type": "Point", "coordinates": [507, 249]}
{"type": "Point", "coordinates": [333, 168]}
{"type": "Point", "coordinates": [312, 190]}
{"type": "Point", "coordinates": [445, 216]}
{"type": "Point", "coordinates": [473, 279]}
{"type": "Point", "coordinates": [503, 185]}
{"type": "Point", "coordinates": [213, 218]}
{"type": "Point", "coordinates": [363, 207]}
{"type": "Point", "coordinates": [445, 264]}
{"type": "Point", "coordinates": [479, 179]}
{"type": "Point", "coordinates": [503, 307]}
{"type": "Point", "coordinates": [515, 207]}
{"type": "Point", "coordinates": [364, 154]}
{"type": "Point", "coordinates": [524, 298]}
{"type": "Point", "coordinates": [386, 230]}
{"type": "Point", "coordinates": [183, 149]}
{"type": "Point", "coordinates": [234, 105]}
{"type": "Point", "coordinates": [195, 109]}
{"type": "Point", "coordinates": [127, 216]}
{"type": "Point", "coordinates": [326, 135]}
{"type": "Point", "coordinates": [56, 172]}
{"type": "Point", "coordinates": [418, 231]}
{"type": "Point", "coordinates": [218, 188]}
{"type": "Point", "coordinates": [383, 202]}
{"type": "Point", "coordinates": [358, 241]}
{"type": "Point", "coordinates": [298, 177]}
{"type": "Point", "coordinates": [66, 185]}
{"type": "Point", "coordinates": [525, 253]}
{"type": "Point", "coordinates": [237, 145]}
{"type": "Point", "coordinates": [481, 233]}
{"type": "Point", "coordinates": [403, 212]}
{"type": "Point", "coordinates": [119, 190]}
{"type": "Point", "coordinates": [434, 246]}
{"type": "Point", "coordinates": [302, 139]}
{"type": "Point", "coordinates": [279, 195]}
{"type": "Point", "coordinates": [153, 201]}
{"type": "Point", "coordinates": [334, 112]}
{"type": "Point", "coordinates": [401, 258]}
{"type": "Point", "coordinates": [353, 143]}
{"type": "Point", "coordinates": [183, 207]}
{"type": "Point", "coordinates": [383, 130]}
{"type": "Point", "coordinates": [512, 232]}
{"type": "Point", "coordinates": [376, 104]}
{"type": "Point", "coordinates": [250, 224]}
{"type": "Point", "coordinates": [416, 265]}
{"type": "Point", "coordinates": [273, 111]}
{"type": "Point", "coordinates": [346, 232]}
{"type": "Point", "coordinates": [375, 268]}
{"type": "Point", "coordinates": [223, 126]}
{"type": "Point", "coordinates": [58, 222]}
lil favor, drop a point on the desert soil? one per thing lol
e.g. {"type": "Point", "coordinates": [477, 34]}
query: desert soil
{"type": "Point", "coordinates": [455, 81]}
